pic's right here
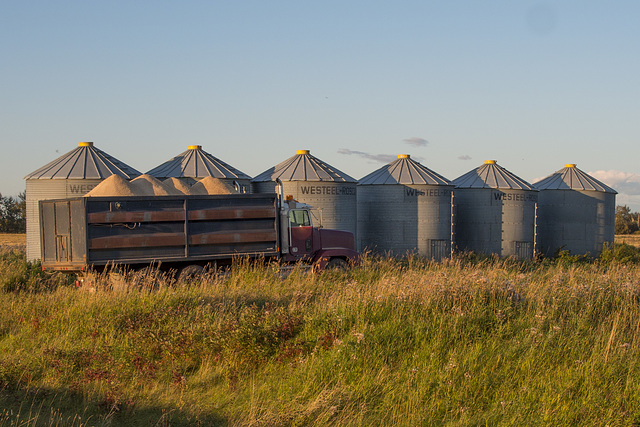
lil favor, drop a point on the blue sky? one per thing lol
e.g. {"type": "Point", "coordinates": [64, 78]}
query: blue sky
{"type": "Point", "coordinates": [531, 84]}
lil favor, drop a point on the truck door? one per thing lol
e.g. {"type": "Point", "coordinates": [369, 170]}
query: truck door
{"type": "Point", "coordinates": [300, 233]}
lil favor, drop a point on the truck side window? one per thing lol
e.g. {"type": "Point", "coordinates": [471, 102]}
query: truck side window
{"type": "Point", "coordinates": [299, 218]}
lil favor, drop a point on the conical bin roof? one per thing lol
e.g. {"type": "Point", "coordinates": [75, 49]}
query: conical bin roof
{"type": "Point", "coordinates": [196, 163]}
{"type": "Point", "coordinates": [404, 170]}
{"type": "Point", "coordinates": [84, 162]}
{"type": "Point", "coordinates": [303, 167]}
{"type": "Point", "coordinates": [491, 175]}
{"type": "Point", "coordinates": [572, 178]}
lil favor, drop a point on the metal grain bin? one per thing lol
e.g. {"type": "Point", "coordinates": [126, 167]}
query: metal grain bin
{"type": "Point", "coordinates": [495, 212]}
{"type": "Point", "coordinates": [71, 175]}
{"type": "Point", "coordinates": [576, 212]}
{"type": "Point", "coordinates": [310, 180]}
{"type": "Point", "coordinates": [195, 164]}
{"type": "Point", "coordinates": [404, 208]}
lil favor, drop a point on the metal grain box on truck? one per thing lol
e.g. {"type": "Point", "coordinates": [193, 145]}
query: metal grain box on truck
{"type": "Point", "coordinates": [81, 233]}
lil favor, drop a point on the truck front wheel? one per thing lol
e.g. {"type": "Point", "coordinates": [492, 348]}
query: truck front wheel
{"type": "Point", "coordinates": [337, 264]}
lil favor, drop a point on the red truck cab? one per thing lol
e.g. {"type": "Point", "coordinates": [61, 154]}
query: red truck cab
{"type": "Point", "coordinates": [314, 245]}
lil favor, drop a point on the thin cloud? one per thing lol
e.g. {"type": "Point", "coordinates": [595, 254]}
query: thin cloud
{"type": "Point", "coordinates": [416, 142]}
{"type": "Point", "coordinates": [623, 182]}
{"type": "Point", "coordinates": [464, 157]}
{"type": "Point", "coordinates": [380, 158]}
{"type": "Point", "coordinates": [374, 158]}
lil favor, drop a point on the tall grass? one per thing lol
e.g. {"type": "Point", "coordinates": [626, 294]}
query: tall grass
{"type": "Point", "coordinates": [467, 341]}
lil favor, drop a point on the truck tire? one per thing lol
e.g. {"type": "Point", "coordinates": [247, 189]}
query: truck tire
{"type": "Point", "coordinates": [149, 278]}
{"type": "Point", "coordinates": [337, 264]}
{"type": "Point", "coordinates": [190, 273]}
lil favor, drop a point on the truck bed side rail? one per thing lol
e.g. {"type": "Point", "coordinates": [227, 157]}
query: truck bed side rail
{"type": "Point", "coordinates": [78, 233]}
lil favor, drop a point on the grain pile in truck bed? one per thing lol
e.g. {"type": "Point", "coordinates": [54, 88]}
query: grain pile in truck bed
{"type": "Point", "coordinates": [115, 185]}
{"type": "Point", "coordinates": [177, 185]}
{"type": "Point", "coordinates": [210, 185]}
{"type": "Point", "coordinates": [144, 185]}
{"type": "Point", "coordinates": [147, 185]}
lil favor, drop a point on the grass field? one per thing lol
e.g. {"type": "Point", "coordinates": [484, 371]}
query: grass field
{"type": "Point", "coordinates": [395, 342]}
{"type": "Point", "coordinates": [469, 341]}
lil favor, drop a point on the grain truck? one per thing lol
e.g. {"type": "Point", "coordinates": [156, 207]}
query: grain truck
{"type": "Point", "coordinates": [185, 233]}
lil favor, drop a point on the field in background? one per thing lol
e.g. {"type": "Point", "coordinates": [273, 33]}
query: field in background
{"type": "Point", "coordinates": [13, 239]}
{"type": "Point", "coordinates": [629, 239]}
{"type": "Point", "coordinates": [395, 342]}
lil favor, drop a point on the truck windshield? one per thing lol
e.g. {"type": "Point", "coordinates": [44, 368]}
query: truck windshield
{"type": "Point", "coordinates": [299, 218]}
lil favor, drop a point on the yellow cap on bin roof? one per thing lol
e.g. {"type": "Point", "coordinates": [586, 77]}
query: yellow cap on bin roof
{"type": "Point", "coordinates": [572, 178]}
{"type": "Point", "coordinates": [303, 167]}
{"type": "Point", "coordinates": [490, 162]}
{"type": "Point", "coordinates": [406, 171]}
{"type": "Point", "coordinates": [195, 147]}
{"type": "Point", "coordinates": [85, 144]}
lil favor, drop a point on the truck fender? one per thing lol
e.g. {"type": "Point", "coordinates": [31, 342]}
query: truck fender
{"type": "Point", "coordinates": [323, 257]}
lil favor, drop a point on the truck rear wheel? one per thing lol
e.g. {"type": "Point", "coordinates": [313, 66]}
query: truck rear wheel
{"type": "Point", "coordinates": [190, 273]}
{"type": "Point", "coordinates": [148, 278]}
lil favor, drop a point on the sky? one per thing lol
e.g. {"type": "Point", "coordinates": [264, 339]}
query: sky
{"type": "Point", "coordinates": [531, 84]}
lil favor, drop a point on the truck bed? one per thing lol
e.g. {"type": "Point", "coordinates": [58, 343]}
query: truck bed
{"type": "Point", "coordinates": [89, 232]}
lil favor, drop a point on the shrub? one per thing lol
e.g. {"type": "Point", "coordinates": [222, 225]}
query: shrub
{"type": "Point", "coordinates": [565, 257]}
{"type": "Point", "coordinates": [620, 252]}
{"type": "Point", "coordinates": [19, 275]}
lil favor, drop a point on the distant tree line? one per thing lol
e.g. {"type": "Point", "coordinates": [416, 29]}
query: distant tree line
{"type": "Point", "coordinates": [627, 222]}
{"type": "Point", "coordinates": [13, 214]}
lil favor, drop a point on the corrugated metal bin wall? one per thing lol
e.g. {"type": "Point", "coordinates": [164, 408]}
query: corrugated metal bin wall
{"type": "Point", "coordinates": [496, 221]}
{"type": "Point", "coordinates": [333, 202]}
{"type": "Point", "coordinates": [495, 212]}
{"type": "Point", "coordinates": [403, 219]}
{"type": "Point", "coordinates": [578, 221]}
{"type": "Point", "coordinates": [39, 189]}
{"type": "Point", "coordinates": [576, 213]}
